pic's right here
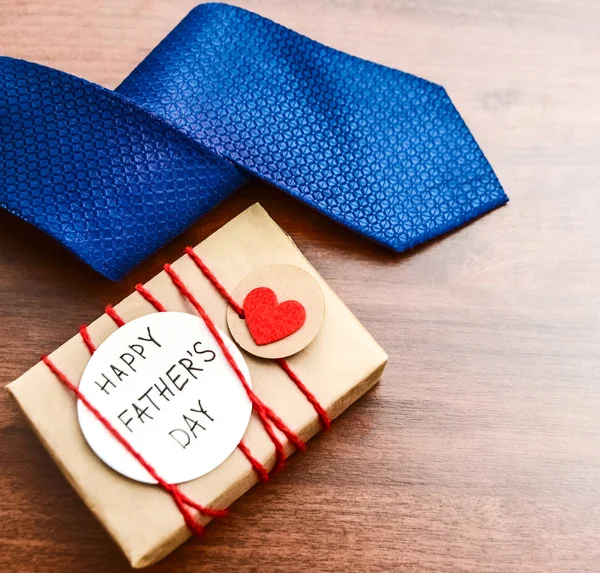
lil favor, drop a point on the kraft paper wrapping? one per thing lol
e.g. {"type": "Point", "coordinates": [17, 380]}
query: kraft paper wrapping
{"type": "Point", "coordinates": [339, 366]}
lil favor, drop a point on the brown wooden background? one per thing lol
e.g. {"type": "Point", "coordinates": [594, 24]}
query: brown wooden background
{"type": "Point", "coordinates": [480, 450]}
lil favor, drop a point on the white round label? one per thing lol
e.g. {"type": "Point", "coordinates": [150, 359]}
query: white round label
{"type": "Point", "coordinates": [163, 382]}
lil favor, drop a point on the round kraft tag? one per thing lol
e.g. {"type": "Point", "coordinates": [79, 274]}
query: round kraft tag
{"type": "Point", "coordinates": [163, 382]}
{"type": "Point", "coordinates": [283, 307]}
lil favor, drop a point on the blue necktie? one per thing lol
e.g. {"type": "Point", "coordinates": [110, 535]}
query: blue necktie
{"type": "Point", "coordinates": [226, 96]}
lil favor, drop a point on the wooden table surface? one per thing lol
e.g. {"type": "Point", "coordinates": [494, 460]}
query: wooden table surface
{"type": "Point", "coordinates": [480, 449]}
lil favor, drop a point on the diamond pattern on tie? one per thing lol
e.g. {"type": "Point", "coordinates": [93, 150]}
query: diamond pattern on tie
{"type": "Point", "coordinates": [227, 95]}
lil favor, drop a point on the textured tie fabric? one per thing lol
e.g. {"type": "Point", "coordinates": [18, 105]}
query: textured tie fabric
{"type": "Point", "coordinates": [229, 95]}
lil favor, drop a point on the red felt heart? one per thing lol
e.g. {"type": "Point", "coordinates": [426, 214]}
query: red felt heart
{"type": "Point", "coordinates": [267, 320]}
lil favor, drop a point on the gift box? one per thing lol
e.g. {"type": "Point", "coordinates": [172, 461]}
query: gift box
{"type": "Point", "coordinates": [338, 366]}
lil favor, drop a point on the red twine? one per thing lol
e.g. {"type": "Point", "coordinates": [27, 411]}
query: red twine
{"type": "Point", "coordinates": [213, 279]}
{"type": "Point", "coordinates": [266, 414]}
{"type": "Point", "coordinates": [263, 474]}
{"type": "Point", "coordinates": [110, 311]}
{"type": "Point", "coordinates": [87, 339]}
{"type": "Point", "coordinates": [154, 302]}
{"type": "Point", "coordinates": [181, 500]}
{"type": "Point", "coordinates": [323, 416]}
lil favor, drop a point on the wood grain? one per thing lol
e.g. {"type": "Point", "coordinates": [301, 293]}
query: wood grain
{"type": "Point", "coordinates": [479, 452]}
